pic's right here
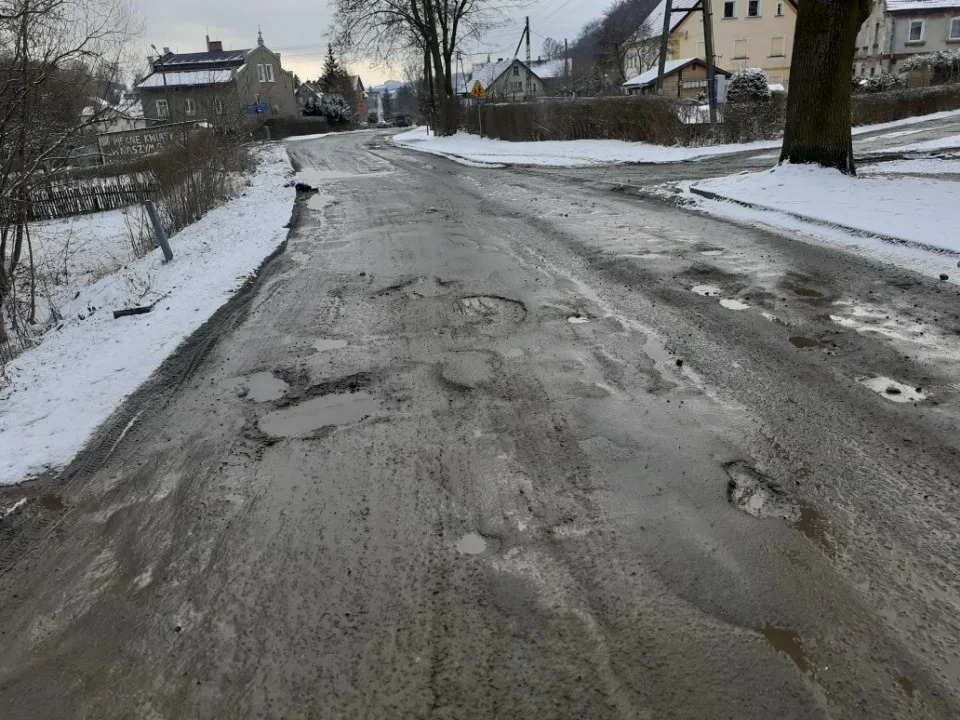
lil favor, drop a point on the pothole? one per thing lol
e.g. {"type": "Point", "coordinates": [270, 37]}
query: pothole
{"type": "Point", "coordinates": [806, 292]}
{"type": "Point", "coordinates": [306, 418]}
{"type": "Point", "coordinates": [492, 307]}
{"type": "Point", "coordinates": [803, 343]}
{"type": "Point", "coordinates": [265, 387]}
{"type": "Point", "coordinates": [468, 368]}
{"type": "Point", "coordinates": [325, 344]}
{"type": "Point", "coordinates": [712, 252]}
{"type": "Point", "coordinates": [897, 392]}
{"type": "Point", "coordinates": [52, 502]}
{"type": "Point", "coordinates": [578, 319]}
{"type": "Point", "coordinates": [422, 286]}
{"type": "Point", "coordinates": [815, 528]}
{"type": "Point", "coordinates": [471, 544]}
{"type": "Point", "coordinates": [788, 642]}
{"type": "Point", "coordinates": [706, 290]}
{"type": "Point", "coordinates": [731, 304]}
{"type": "Point", "coordinates": [906, 684]}
{"type": "Point", "coordinates": [757, 494]}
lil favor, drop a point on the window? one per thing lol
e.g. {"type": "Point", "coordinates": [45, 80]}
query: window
{"type": "Point", "coordinates": [753, 8]}
{"type": "Point", "coordinates": [876, 34]}
{"type": "Point", "coordinates": [739, 49]}
{"type": "Point", "coordinates": [220, 109]}
{"type": "Point", "coordinates": [780, 9]}
{"type": "Point", "coordinates": [261, 73]}
{"type": "Point", "coordinates": [190, 106]}
{"type": "Point", "coordinates": [872, 70]}
{"type": "Point", "coordinates": [955, 28]}
{"type": "Point", "coordinates": [516, 70]}
{"type": "Point", "coordinates": [776, 47]}
{"type": "Point", "coordinates": [730, 10]}
{"type": "Point", "coordinates": [269, 68]}
{"type": "Point", "coordinates": [915, 33]}
{"type": "Point", "coordinates": [163, 109]}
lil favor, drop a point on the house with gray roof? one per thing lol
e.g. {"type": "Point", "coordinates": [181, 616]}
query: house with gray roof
{"type": "Point", "coordinates": [506, 81]}
{"type": "Point", "coordinates": [225, 87]}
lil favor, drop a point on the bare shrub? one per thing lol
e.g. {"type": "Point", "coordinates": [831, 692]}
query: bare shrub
{"type": "Point", "coordinates": [196, 175]}
{"type": "Point", "coordinates": [871, 108]}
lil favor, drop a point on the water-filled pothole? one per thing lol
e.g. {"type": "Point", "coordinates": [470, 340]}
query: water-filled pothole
{"type": "Point", "coordinates": [807, 293]}
{"type": "Point", "coordinates": [471, 544]}
{"type": "Point", "coordinates": [51, 502]}
{"type": "Point", "coordinates": [906, 684]}
{"type": "Point", "coordinates": [706, 290]}
{"type": "Point", "coordinates": [731, 304]}
{"type": "Point", "coordinates": [897, 392]}
{"type": "Point", "coordinates": [265, 387]}
{"type": "Point", "coordinates": [307, 417]}
{"type": "Point", "coordinates": [492, 307]}
{"type": "Point", "coordinates": [803, 343]}
{"type": "Point", "coordinates": [578, 319]}
{"type": "Point", "coordinates": [788, 642]}
{"type": "Point", "coordinates": [757, 494]}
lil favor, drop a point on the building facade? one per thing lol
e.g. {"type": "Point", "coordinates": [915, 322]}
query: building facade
{"type": "Point", "coordinates": [897, 29]}
{"type": "Point", "coordinates": [747, 34]}
{"type": "Point", "coordinates": [222, 87]}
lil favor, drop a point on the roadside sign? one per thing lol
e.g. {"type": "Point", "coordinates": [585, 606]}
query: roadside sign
{"type": "Point", "coordinates": [478, 91]}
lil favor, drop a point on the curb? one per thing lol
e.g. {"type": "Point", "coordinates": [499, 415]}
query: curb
{"type": "Point", "coordinates": [857, 232]}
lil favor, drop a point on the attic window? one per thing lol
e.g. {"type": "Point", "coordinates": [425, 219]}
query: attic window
{"type": "Point", "coordinates": [269, 69]}
{"type": "Point", "coordinates": [780, 9]}
{"type": "Point", "coordinates": [516, 69]}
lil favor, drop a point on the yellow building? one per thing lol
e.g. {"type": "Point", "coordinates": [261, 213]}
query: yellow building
{"type": "Point", "coordinates": [747, 34]}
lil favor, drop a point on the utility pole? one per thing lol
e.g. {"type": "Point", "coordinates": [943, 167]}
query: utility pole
{"type": "Point", "coordinates": [664, 41]}
{"type": "Point", "coordinates": [708, 48]}
{"type": "Point", "coordinates": [529, 81]}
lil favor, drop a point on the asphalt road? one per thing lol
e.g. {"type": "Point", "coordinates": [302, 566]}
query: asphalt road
{"type": "Point", "coordinates": [472, 447]}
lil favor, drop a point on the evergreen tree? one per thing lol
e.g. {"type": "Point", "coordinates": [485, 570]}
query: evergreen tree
{"type": "Point", "coordinates": [332, 72]}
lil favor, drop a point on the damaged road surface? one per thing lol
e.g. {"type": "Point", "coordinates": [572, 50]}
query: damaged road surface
{"type": "Point", "coordinates": [474, 446]}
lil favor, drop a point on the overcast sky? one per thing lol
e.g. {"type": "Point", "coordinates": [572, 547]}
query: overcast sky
{"type": "Point", "coordinates": [299, 29]}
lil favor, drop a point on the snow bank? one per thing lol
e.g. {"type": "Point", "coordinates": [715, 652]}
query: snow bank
{"type": "Point", "coordinates": [474, 151]}
{"type": "Point", "coordinates": [61, 390]}
{"type": "Point", "coordinates": [918, 210]}
{"type": "Point", "coordinates": [912, 167]}
{"type": "Point", "coordinates": [950, 142]}
{"type": "Point", "coordinates": [471, 149]}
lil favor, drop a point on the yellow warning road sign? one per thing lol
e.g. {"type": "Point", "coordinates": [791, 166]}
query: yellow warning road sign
{"type": "Point", "coordinates": [478, 91]}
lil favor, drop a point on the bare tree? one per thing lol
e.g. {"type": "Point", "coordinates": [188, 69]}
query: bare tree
{"type": "Point", "coordinates": [57, 57]}
{"type": "Point", "coordinates": [624, 32]}
{"type": "Point", "coordinates": [817, 129]}
{"type": "Point", "coordinates": [431, 29]}
{"type": "Point", "coordinates": [551, 49]}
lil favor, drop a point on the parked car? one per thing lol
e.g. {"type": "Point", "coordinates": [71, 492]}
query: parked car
{"type": "Point", "coordinates": [401, 121]}
{"type": "Point", "coordinates": [383, 124]}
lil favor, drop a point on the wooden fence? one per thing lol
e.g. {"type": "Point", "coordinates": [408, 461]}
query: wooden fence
{"type": "Point", "coordinates": [81, 196]}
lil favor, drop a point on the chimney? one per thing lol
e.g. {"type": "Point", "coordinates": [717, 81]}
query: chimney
{"type": "Point", "coordinates": [214, 45]}
{"type": "Point", "coordinates": [166, 50]}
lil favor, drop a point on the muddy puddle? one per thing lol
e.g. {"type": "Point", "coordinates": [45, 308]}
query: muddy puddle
{"type": "Point", "coordinates": [806, 292]}
{"type": "Point", "coordinates": [51, 502]}
{"type": "Point", "coordinates": [906, 684]}
{"type": "Point", "coordinates": [758, 495]}
{"type": "Point", "coordinates": [789, 643]}
{"type": "Point", "coordinates": [803, 343]}
{"type": "Point", "coordinates": [471, 544]}
{"type": "Point", "coordinates": [893, 390]}
{"type": "Point", "coordinates": [815, 528]}
{"type": "Point", "coordinates": [265, 387]}
{"type": "Point", "coordinates": [491, 307]}
{"type": "Point", "coordinates": [306, 418]}
{"type": "Point", "coordinates": [326, 344]}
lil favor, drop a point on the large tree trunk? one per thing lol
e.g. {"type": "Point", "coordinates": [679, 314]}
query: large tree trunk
{"type": "Point", "coordinates": [818, 104]}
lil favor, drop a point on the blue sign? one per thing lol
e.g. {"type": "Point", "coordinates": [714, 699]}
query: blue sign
{"type": "Point", "coordinates": [257, 108]}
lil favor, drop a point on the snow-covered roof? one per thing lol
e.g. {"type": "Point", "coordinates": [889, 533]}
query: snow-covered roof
{"type": "Point", "coordinates": [650, 76]}
{"type": "Point", "coordinates": [914, 5]}
{"type": "Point", "coordinates": [546, 69]}
{"type": "Point", "coordinates": [181, 79]}
{"type": "Point", "coordinates": [487, 73]}
{"type": "Point", "coordinates": [219, 57]}
{"type": "Point", "coordinates": [655, 19]}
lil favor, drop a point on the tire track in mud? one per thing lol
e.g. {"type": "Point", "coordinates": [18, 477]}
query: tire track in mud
{"type": "Point", "coordinates": [29, 526]}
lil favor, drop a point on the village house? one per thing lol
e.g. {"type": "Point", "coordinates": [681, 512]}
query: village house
{"type": "Point", "coordinates": [897, 29]}
{"type": "Point", "coordinates": [308, 97]}
{"type": "Point", "coordinates": [685, 79]}
{"type": "Point", "coordinates": [225, 87]}
{"type": "Point", "coordinates": [747, 34]}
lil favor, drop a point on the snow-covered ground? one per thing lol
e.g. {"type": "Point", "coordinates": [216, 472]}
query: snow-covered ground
{"type": "Point", "coordinates": [950, 142]}
{"type": "Point", "coordinates": [826, 205]}
{"type": "Point", "coordinates": [912, 167]}
{"type": "Point", "coordinates": [473, 150]}
{"type": "Point", "coordinates": [57, 393]}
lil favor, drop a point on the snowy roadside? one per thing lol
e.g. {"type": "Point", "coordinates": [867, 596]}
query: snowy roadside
{"type": "Point", "coordinates": [901, 219]}
{"type": "Point", "coordinates": [475, 151]}
{"type": "Point", "coordinates": [57, 393]}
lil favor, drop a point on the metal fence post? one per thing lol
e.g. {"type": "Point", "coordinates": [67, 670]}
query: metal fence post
{"type": "Point", "coordinates": [158, 230]}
